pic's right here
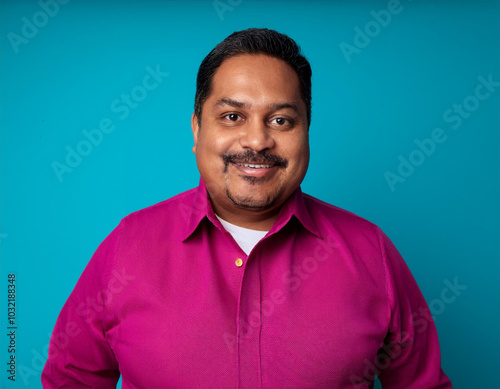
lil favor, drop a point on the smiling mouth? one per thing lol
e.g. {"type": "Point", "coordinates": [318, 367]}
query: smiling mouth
{"type": "Point", "coordinates": [254, 166]}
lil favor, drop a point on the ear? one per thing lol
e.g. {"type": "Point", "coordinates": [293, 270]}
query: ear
{"type": "Point", "coordinates": [195, 127]}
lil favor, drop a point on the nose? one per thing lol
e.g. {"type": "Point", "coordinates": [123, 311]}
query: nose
{"type": "Point", "coordinates": [257, 136]}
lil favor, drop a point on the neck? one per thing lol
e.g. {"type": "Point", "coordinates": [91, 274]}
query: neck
{"type": "Point", "coordinates": [260, 221]}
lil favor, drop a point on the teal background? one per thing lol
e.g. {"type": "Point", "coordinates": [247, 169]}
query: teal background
{"type": "Point", "coordinates": [366, 113]}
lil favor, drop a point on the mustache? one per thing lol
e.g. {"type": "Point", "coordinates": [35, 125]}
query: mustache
{"type": "Point", "coordinates": [252, 157]}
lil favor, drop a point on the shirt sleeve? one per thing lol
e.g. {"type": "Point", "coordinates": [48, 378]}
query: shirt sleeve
{"type": "Point", "coordinates": [79, 353]}
{"type": "Point", "coordinates": [410, 357]}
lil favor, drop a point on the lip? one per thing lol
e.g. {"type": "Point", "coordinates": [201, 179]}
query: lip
{"type": "Point", "coordinates": [255, 172]}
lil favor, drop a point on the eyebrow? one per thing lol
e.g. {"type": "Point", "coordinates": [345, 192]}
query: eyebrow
{"type": "Point", "coordinates": [239, 104]}
{"type": "Point", "coordinates": [278, 106]}
{"type": "Point", "coordinates": [227, 101]}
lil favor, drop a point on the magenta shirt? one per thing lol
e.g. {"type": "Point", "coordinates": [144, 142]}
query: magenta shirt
{"type": "Point", "coordinates": [169, 300]}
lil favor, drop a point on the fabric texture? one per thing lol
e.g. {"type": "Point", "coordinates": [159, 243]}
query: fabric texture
{"type": "Point", "coordinates": [324, 300]}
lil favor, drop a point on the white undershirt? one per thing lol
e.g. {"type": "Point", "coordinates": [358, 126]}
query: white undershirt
{"type": "Point", "coordinates": [245, 237]}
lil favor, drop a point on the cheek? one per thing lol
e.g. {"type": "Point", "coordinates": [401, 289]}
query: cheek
{"type": "Point", "coordinates": [301, 160]}
{"type": "Point", "coordinates": [299, 151]}
{"type": "Point", "coordinates": [221, 145]}
{"type": "Point", "coordinates": [208, 156]}
{"type": "Point", "coordinates": [216, 142]}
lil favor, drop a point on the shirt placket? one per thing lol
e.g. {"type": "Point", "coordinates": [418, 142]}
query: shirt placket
{"type": "Point", "coordinates": [249, 324]}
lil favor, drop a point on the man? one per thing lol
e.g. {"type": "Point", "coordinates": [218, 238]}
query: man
{"type": "Point", "coordinates": [244, 281]}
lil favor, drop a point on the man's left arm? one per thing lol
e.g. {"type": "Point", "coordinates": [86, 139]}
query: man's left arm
{"type": "Point", "coordinates": [411, 354]}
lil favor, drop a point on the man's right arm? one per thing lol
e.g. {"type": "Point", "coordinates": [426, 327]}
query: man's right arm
{"type": "Point", "coordinates": [79, 353]}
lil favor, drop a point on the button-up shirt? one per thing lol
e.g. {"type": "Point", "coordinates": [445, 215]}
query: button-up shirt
{"type": "Point", "coordinates": [169, 300]}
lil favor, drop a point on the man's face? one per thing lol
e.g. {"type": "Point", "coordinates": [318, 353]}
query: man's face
{"type": "Point", "coordinates": [252, 149]}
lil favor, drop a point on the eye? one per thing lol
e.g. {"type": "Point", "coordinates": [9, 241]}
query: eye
{"type": "Point", "coordinates": [232, 117]}
{"type": "Point", "coordinates": [281, 121]}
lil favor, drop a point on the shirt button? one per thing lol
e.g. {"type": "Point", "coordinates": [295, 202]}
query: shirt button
{"type": "Point", "coordinates": [239, 262]}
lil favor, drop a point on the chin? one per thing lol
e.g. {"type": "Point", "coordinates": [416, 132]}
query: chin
{"type": "Point", "coordinates": [249, 202]}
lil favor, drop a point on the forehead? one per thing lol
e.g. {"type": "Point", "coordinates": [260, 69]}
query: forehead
{"type": "Point", "coordinates": [257, 78]}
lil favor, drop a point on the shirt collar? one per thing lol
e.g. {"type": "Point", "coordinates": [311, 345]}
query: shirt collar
{"type": "Point", "coordinates": [294, 206]}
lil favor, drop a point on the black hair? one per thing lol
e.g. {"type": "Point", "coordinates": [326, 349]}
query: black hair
{"type": "Point", "coordinates": [253, 41]}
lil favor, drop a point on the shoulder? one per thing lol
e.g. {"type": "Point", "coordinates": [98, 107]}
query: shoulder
{"type": "Point", "coordinates": [167, 214]}
{"type": "Point", "coordinates": [344, 226]}
{"type": "Point", "coordinates": [325, 213]}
